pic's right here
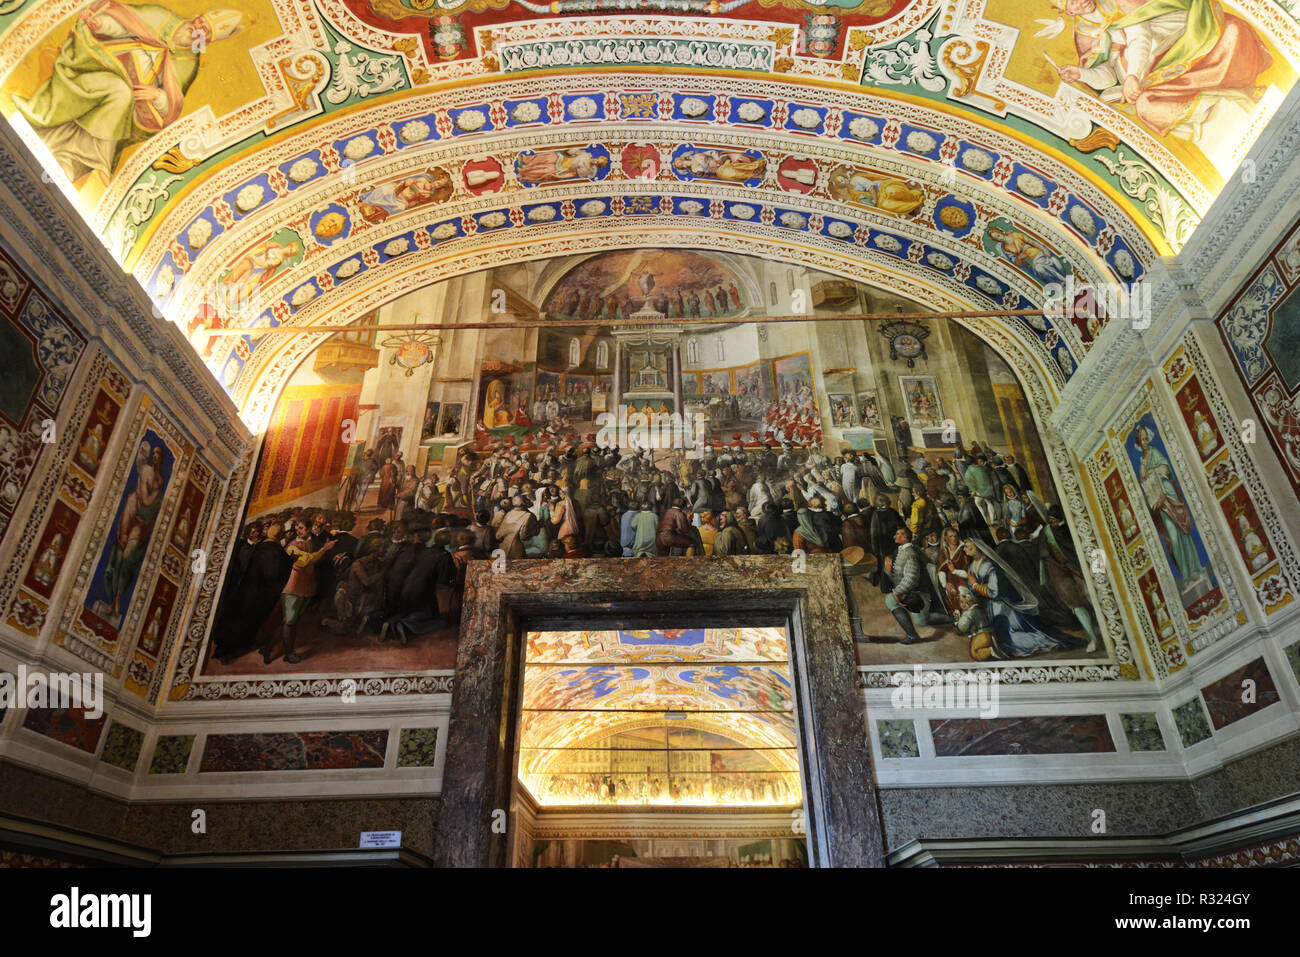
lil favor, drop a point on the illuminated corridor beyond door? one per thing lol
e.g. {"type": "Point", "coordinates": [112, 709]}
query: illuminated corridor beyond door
{"type": "Point", "coordinates": [665, 717]}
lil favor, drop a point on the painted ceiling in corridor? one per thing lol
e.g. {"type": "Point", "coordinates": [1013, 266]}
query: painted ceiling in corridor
{"type": "Point", "coordinates": [285, 161]}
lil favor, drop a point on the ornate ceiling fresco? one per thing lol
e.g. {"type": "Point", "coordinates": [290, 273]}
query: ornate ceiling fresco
{"type": "Point", "coordinates": [294, 161]}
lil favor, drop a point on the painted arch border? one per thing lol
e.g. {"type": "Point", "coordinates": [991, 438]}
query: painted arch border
{"type": "Point", "coordinates": [257, 382]}
{"type": "Point", "coordinates": [1060, 337]}
{"type": "Point", "coordinates": [1116, 211]}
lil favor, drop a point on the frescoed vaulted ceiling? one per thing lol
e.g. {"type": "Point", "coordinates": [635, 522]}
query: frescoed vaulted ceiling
{"type": "Point", "coordinates": [681, 704]}
{"type": "Point", "coordinates": [295, 161]}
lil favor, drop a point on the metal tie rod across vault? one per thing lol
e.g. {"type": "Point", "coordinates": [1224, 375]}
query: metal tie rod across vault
{"type": "Point", "coordinates": [544, 323]}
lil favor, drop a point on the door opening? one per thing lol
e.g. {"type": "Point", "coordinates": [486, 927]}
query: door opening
{"type": "Point", "coordinates": [659, 747]}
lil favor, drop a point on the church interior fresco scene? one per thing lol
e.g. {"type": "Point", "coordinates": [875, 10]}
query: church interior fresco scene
{"type": "Point", "coordinates": [672, 433]}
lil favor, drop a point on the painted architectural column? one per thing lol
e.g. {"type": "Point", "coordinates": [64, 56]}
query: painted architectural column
{"type": "Point", "coordinates": [675, 370]}
{"type": "Point", "coordinates": [616, 394]}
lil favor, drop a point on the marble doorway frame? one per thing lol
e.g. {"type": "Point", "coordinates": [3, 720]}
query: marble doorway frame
{"type": "Point", "coordinates": [843, 814]}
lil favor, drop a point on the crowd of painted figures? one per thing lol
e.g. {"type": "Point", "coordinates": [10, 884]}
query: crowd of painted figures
{"type": "Point", "coordinates": [399, 578]}
{"type": "Point", "coordinates": [741, 788]}
{"type": "Point", "coordinates": [755, 860]}
{"type": "Point", "coordinates": [963, 540]}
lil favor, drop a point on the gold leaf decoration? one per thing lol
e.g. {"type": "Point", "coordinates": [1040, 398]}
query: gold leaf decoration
{"type": "Point", "coordinates": [1098, 139]}
{"type": "Point", "coordinates": [174, 161]}
{"type": "Point", "coordinates": [966, 61]}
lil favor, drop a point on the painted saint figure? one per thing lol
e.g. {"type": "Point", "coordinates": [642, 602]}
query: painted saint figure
{"type": "Point", "coordinates": [1251, 544]}
{"type": "Point", "coordinates": [553, 166]}
{"type": "Point", "coordinates": [431, 186]}
{"type": "Point", "coordinates": [730, 167]}
{"type": "Point", "coordinates": [151, 639]}
{"type": "Point", "coordinates": [1026, 254]}
{"type": "Point", "coordinates": [1168, 509]}
{"type": "Point", "coordinates": [135, 526]}
{"type": "Point", "coordinates": [181, 537]}
{"type": "Point", "coordinates": [1182, 64]}
{"type": "Point", "coordinates": [1206, 440]}
{"type": "Point", "coordinates": [884, 193]}
{"type": "Point", "coordinates": [119, 78]}
{"type": "Point", "coordinates": [47, 566]}
{"type": "Point", "coordinates": [254, 270]}
{"type": "Point", "coordinates": [91, 448]}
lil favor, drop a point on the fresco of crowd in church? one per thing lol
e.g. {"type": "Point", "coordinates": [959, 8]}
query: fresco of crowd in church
{"type": "Point", "coordinates": [928, 481]}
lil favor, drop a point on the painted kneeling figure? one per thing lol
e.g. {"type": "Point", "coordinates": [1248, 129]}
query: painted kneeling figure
{"type": "Point", "coordinates": [909, 591]}
{"type": "Point", "coordinates": [1012, 619]}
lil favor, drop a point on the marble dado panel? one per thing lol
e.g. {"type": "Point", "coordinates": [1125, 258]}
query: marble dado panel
{"type": "Point", "coordinates": [1238, 695]}
{"type": "Point", "coordinates": [897, 738]}
{"type": "Point", "coordinates": [1069, 734]}
{"type": "Point", "coordinates": [1189, 718]}
{"type": "Point", "coordinates": [171, 754]}
{"type": "Point", "coordinates": [1143, 732]}
{"type": "Point", "coordinates": [294, 751]}
{"type": "Point", "coordinates": [122, 747]}
{"type": "Point", "coordinates": [70, 726]}
{"type": "Point", "coordinates": [417, 748]}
